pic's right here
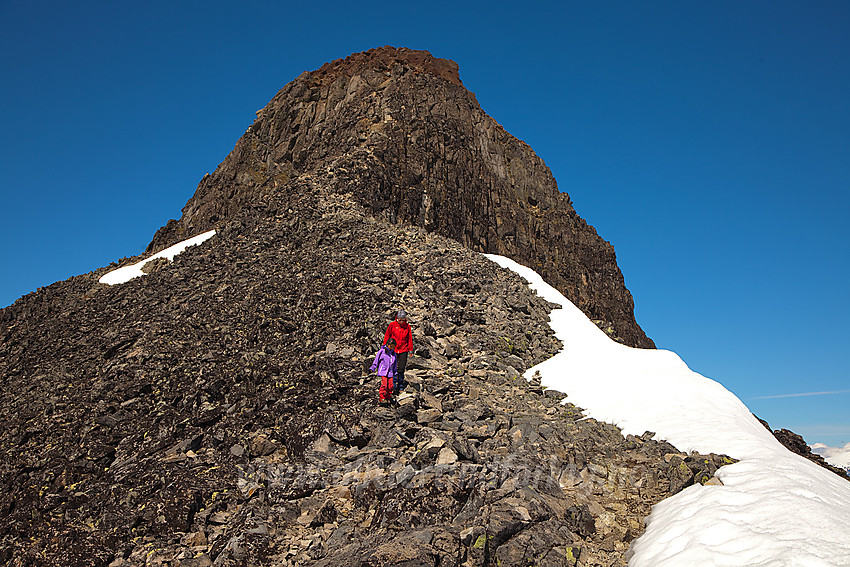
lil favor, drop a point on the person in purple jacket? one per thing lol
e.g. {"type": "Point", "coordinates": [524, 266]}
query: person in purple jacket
{"type": "Point", "coordinates": [385, 365]}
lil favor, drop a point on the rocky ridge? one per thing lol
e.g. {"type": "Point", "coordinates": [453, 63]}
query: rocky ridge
{"type": "Point", "coordinates": [796, 444]}
{"type": "Point", "coordinates": [218, 411]}
{"type": "Point", "coordinates": [397, 129]}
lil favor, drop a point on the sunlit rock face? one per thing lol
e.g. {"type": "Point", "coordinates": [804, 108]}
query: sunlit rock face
{"type": "Point", "coordinates": [397, 129]}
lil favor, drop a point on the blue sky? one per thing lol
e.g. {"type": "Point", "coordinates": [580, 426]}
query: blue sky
{"type": "Point", "coordinates": [709, 142]}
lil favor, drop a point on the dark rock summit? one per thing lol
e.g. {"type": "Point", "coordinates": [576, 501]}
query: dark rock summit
{"type": "Point", "coordinates": [397, 129]}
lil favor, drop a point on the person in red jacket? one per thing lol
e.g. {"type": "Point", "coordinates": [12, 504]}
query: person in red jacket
{"type": "Point", "coordinates": [401, 332]}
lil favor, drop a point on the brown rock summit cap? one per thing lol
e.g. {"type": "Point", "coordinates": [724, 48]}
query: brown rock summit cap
{"type": "Point", "coordinates": [385, 58]}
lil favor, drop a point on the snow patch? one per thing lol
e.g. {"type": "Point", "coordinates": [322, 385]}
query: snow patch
{"type": "Point", "coordinates": [774, 509]}
{"type": "Point", "coordinates": [127, 273]}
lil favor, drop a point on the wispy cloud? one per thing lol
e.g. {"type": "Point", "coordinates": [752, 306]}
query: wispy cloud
{"type": "Point", "coordinates": [821, 430]}
{"type": "Point", "coordinates": [802, 394]}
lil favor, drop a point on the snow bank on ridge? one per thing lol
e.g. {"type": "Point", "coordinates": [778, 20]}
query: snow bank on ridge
{"type": "Point", "coordinates": [775, 508]}
{"type": "Point", "coordinates": [127, 273]}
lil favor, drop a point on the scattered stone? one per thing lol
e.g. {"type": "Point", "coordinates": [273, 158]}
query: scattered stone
{"type": "Point", "coordinates": [322, 444]}
{"type": "Point", "coordinates": [194, 539]}
{"type": "Point", "coordinates": [202, 560]}
{"type": "Point", "coordinates": [260, 446]}
{"type": "Point", "coordinates": [446, 457]}
{"type": "Point", "coordinates": [428, 416]}
{"type": "Point", "coordinates": [154, 265]}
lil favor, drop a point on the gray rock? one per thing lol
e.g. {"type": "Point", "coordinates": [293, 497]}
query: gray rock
{"type": "Point", "coordinates": [428, 415]}
{"type": "Point", "coordinates": [202, 560]}
{"type": "Point", "coordinates": [154, 265]}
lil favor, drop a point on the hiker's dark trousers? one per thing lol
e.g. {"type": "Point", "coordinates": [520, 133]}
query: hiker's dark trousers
{"type": "Point", "coordinates": [401, 365]}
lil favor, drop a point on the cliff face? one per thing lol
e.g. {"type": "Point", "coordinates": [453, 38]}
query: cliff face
{"type": "Point", "coordinates": [397, 129]}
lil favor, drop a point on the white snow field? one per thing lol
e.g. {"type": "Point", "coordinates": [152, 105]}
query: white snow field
{"type": "Point", "coordinates": [127, 273]}
{"type": "Point", "coordinates": [774, 509]}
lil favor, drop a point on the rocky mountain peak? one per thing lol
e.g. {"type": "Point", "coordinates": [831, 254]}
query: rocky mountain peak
{"type": "Point", "coordinates": [397, 130]}
{"type": "Point", "coordinates": [220, 410]}
{"type": "Point", "coordinates": [384, 59]}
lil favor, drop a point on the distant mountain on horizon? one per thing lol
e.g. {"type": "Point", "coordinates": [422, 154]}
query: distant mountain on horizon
{"type": "Point", "coordinates": [835, 456]}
